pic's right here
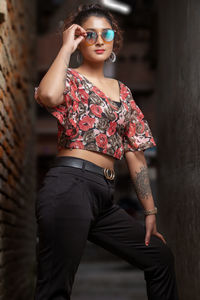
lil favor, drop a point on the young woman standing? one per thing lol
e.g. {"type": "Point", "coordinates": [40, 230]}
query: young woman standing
{"type": "Point", "coordinates": [98, 123]}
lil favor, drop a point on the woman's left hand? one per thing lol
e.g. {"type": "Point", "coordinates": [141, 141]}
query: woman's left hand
{"type": "Point", "coordinates": [150, 222]}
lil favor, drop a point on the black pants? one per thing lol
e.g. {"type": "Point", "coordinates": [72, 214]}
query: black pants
{"type": "Point", "coordinates": [75, 205]}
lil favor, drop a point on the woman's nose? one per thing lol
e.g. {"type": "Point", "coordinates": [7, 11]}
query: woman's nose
{"type": "Point", "coordinates": [99, 39]}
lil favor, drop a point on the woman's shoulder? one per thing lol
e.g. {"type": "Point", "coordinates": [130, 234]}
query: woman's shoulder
{"type": "Point", "coordinates": [118, 80]}
{"type": "Point", "coordinates": [73, 72]}
{"type": "Point", "coordinates": [114, 81]}
{"type": "Point", "coordinates": [125, 91]}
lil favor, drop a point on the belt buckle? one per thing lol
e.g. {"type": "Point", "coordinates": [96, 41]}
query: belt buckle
{"type": "Point", "coordinates": [107, 175]}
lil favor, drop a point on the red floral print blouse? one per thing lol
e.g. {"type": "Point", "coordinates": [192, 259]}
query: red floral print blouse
{"type": "Point", "coordinates": [88, 119]}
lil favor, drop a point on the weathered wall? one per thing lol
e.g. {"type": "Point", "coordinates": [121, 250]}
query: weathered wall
{"type": "Point", "coordinates": [179, 138]}
{"type": "Point", "coordinates": [17, 140]}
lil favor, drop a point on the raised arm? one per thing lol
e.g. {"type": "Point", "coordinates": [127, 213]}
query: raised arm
{"type": "Point", "coordinates": [50, 90]}
{"type": "Point", "coordinates": [138, 169]}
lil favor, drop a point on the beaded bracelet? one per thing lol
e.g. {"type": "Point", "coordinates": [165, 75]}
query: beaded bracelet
{"type": "Point", "coordinates": [151, 212]}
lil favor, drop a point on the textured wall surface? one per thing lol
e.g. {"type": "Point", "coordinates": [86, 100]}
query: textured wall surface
{"type": "Point", "coordinates": [179, 138]}
{"type": "Point", "coordinates": [17, 140]}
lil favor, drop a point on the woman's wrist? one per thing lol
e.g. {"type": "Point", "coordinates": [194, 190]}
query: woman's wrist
{"type": "Point", "coordinates": [66, 49]}
{"type": "Point", "coordinates": [152, 211]}
{"type": "Point", "coordinates": [65, 55]}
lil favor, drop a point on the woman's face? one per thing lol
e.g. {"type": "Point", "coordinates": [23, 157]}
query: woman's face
{"type": "Point", "coordinates": [88, 51]}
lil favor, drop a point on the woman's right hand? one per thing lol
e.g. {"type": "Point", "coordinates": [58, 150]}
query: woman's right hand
{"type": "Point", "coordinates": [69, 36]}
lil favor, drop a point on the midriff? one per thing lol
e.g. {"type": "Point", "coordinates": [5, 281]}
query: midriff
{"type": "Point", "coordinates": [100, 159]}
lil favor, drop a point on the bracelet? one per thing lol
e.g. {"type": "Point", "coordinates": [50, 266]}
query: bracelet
{"type": "Point", "coordinates": [151, 212]}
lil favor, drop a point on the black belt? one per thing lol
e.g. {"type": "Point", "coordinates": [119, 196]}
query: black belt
{"type": "Point", "coordinates": [80, 163]}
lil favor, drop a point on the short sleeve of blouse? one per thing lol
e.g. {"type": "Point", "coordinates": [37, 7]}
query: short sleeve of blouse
{"type": "Point", "coordinates": [58, 111]}
{"type": "Point", "coordinates": [138, 135]}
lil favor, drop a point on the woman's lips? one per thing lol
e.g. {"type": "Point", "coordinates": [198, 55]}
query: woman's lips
{"type": "Point", "coordinates": [99, 51]}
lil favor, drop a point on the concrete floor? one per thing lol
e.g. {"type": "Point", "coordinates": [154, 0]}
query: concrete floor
{"type": "Point", "coordinates": [107, 278]}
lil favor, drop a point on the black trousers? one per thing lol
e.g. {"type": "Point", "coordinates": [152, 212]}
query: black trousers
{"type": "Point", "coordinates": [75, 205]}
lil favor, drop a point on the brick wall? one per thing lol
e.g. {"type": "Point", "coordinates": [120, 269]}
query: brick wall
{"type": "Point", "coordinates": [17, 153]}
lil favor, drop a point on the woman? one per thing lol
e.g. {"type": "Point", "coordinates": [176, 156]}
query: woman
{"type": "Point", "coordinates": [98, 123]}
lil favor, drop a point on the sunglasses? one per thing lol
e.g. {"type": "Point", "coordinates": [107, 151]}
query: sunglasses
{"type": "Point", "coordinates": [92, 36]}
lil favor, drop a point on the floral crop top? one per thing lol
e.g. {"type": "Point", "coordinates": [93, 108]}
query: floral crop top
{"type": "Point", "coordinates": [88, 119]}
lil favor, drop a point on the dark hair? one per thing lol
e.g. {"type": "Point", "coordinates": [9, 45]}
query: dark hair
{"type": "Point", "coordinates": [84, 11]}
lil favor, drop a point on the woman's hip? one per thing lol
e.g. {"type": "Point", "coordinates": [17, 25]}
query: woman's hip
{"type": "Point", "coordinates": [74, 192]}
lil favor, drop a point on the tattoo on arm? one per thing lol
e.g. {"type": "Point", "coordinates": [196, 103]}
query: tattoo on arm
{"type": "Point", "coordinates": [142, 184]}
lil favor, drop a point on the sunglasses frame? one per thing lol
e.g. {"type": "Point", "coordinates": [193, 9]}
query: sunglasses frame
{"type": "Point", "coordinates": [97, 35]}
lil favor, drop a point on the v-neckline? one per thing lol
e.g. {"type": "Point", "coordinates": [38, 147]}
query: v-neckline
{"type": "Point", "coordinates": [98, 89]}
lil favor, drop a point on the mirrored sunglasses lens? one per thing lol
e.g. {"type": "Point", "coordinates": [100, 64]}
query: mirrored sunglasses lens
{"type": "Point", "coordinates": [108, 35]}
{"type": "Point", "coordinates": [91, 37]}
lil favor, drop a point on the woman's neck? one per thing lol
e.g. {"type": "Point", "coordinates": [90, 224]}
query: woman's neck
{"type": "Point", "coordinates": [92, 70]}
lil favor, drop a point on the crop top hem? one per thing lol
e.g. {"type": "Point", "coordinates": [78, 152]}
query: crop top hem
{"type": "Point", "coordinates": [73, 147]}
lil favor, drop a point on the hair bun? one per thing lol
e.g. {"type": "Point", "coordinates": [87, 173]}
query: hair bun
{"type": "Point", "coordinates": [85, 7]}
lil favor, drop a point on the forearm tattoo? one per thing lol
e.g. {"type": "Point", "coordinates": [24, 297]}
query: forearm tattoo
{"type": "Point", "coordinates": [142, 183]}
